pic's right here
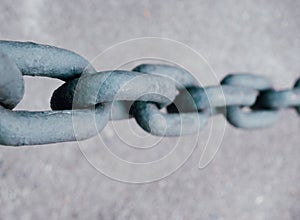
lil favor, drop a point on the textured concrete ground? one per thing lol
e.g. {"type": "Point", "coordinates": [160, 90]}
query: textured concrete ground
{"type": "Point", "coordinates": [255, 174]}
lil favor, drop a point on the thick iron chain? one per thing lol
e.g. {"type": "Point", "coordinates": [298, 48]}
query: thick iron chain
{"type": "Point", "coordinates": [246, 100]}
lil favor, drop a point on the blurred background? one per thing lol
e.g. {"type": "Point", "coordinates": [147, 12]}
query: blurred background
{"type": "Point", "coordinates": [255, 174]}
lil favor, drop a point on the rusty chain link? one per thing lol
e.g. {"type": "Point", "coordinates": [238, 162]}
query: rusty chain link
{"type": "Point", "coordinates": [247, 101]}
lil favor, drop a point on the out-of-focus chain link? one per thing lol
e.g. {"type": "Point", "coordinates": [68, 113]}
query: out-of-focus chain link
{"type": "Point", "coordinates": [92, 98]}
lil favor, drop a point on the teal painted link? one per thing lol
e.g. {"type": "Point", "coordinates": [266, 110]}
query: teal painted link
{"type": "Point", "coordinates": [149, 117]}
{"type": "Point", "coordinates": [44, 127]}
{"type": "Point", "coordinates": [273, 99]}
{"type": "Point", "coordinates": [110, 86]}
{"type": "Point", "coordinates": [11, 82]}
{"type": "Point", "coordinates": [88, 97]}
{"type": "Point", "coordinates": [180, 76]}
{"type": "Point", "coordinates": [287, 98]}
{"type": "Point", "coordinates": [249, 119]}
{"type": "Point", "coordinates": [218, 96]}
{"type": "Point", "coordinates": [44, 60]}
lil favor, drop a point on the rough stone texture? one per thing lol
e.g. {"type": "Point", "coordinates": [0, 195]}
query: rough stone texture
{"type": "Point", "coordinates": [255, 174]}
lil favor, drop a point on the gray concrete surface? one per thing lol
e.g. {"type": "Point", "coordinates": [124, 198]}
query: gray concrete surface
{"type": "Point", "coordinates": [255, 174]}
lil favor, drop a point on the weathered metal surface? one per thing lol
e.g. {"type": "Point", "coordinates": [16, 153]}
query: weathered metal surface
{"type": "Point", "coordinates": [219, 96]}
{"type": "Point", "coordinates": [280, 99]}
{"type": "Point", "coordinates": [153, 121]}
{"type": "Point", "coordinates": [250, 120]}
{"type": "Point", "coordinates": [180, 76]}
{"type": "Point", "coordinates": [253, 118]}
{"type": "Point", "coordinates": [11, 83]}
{"type": "Point", "coordinates": [89, 96]}
{"type": "Point", "coordinates": [44, 127]}
{"type": "Point", "coordinates": [44, 60]}
{"type": "Point", "coordinates": [247, 80]}
{"type": "Point", "coordinates": [35, 128]}
{"type": "Point", "coordinates": [110, 86]}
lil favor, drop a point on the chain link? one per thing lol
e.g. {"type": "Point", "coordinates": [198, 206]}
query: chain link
{"type": "Point", "coordinates": [246, 100]}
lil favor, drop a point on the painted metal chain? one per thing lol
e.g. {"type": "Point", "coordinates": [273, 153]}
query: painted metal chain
{"type": "Point", "coordinates": [247, 100]}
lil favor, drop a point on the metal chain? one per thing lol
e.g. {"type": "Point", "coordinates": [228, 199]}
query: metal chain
{"type": "Point", "coordinates": [246, 100]}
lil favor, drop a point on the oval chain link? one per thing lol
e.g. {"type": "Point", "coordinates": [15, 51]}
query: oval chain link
{"type": "Point", "coordinates": [246, 100]}
{"type": "Point", "coordinates": [250, 119]}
